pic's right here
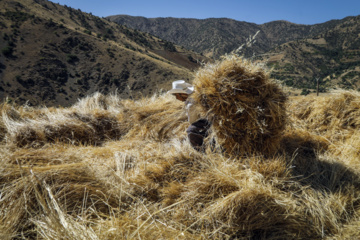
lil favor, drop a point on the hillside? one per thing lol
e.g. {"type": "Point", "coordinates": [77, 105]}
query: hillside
{"type": "Point", "coordinates": [333, 56]}
{"type": "Point", "coordinates": [54, 55]}
{"type": "Point", "coordinates": [299, 53]}
{"type": "Point", "coordinates": [215, 37]}
{"type": "Point", "coordinates": [109, 168]}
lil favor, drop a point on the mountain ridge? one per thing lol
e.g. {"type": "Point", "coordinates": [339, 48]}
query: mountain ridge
{"type": "Point", "coordinates": [195, 26]}
{"type": "Point", "coordinates": [215, 37]}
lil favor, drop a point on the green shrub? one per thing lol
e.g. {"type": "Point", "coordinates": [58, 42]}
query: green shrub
{"type": "Point", "coordinates": [169, 46]}
{"type": "Point", "coordinates": [7, 51]}
{"type": "Point", "coordinates": [87, 31]}
{"type": "Point", "coordinates": [305, 91]}
{"type": "Point", "coordinates": [70, 58]}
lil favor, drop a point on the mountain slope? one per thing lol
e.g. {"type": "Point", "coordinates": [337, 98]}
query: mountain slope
{"type": "Point", "coordinates": [298, 53]}
{"type": "Point", "coordinates": [332, 56]}
{"type": "Point", "coordinates": [217, 36]}
{"type": "Point", "coordinates": [52, 54]}
{"type": "Point", "coordinates": [209, 36]}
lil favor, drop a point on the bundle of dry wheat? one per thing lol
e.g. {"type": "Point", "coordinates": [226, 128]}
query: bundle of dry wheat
{"type": "Point", "coordinates": [94, 120]}
{"type": "Point", "coordinates": [30, 174]}
{"type": "Point", "coordinates": [64, 125]}
{"type": "Point", "coordinates": [246, 108]}
{"type": "Point", "coordinates": [88, 122]}
{"type": "Point", "coordinates": [335, 116]}
{"type": "Point", "coordinates": [159, 118]}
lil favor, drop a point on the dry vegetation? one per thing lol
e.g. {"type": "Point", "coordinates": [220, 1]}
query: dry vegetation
{"type": "Point", "coordinates": [108, 168]}
{"type": "Point", "coordinates": [245, 106]}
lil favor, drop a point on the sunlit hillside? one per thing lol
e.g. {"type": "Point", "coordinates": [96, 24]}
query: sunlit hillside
{"type": "Point", "coordinates": [53, 55]}
{"type": "Point", "coordinates": [112, 168]}
{"type": "Point", "coordinates": [298, 53]}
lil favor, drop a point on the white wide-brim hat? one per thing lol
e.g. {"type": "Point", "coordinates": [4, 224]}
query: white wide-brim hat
{"type": "Point", "coordinates": [180, 86]}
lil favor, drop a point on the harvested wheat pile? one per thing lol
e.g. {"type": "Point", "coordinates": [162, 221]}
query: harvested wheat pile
{"type": "Point", "coordinates": [336, 116]}
{"type": "Point", "coordinates": [63, 125]}
{"type": "Point", "coordinates": [149, 183]}
{"type": "Point", "coordinates": [93, 121]}
{"type": "Point", "coordinates": [246, 108]}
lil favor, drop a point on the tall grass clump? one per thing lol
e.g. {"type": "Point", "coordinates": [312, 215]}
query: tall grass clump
{"type": "Point", "coordinates": [246, 107]}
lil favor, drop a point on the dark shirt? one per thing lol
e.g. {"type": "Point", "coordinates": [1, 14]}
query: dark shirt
{"type": "Point", "coordinates": [197, 131]}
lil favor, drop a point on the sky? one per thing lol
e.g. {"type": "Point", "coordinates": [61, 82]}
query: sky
{"type": "Point", "coordinates": [255, 11]}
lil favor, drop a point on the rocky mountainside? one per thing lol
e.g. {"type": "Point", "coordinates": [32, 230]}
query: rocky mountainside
{"type": "Point", "coordinates": [298, 53]}
{"type": "Point", "coordinates": [53, 55]}
{"type": "Point", "coordinates": [217, 36]}
{"type": "Point", "coordinates": [332, 57]}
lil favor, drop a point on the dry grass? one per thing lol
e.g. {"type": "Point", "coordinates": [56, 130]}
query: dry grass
{"type": "Point", "coordinates": [108, 168]}
{"type": "Point", "coordinates": [246, 108]}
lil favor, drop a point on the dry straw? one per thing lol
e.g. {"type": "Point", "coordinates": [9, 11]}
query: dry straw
{"type": "Point", "coordinates": [332, 115]}
{"type": "Point", "coordinates": [335, 117]}
{"type": "Point", "coordinates": [246, 107]}
{"type": "Point", "coordinates": [147, 182]}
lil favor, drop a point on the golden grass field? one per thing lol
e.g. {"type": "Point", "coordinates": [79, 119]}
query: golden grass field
{"type": "Point", "coordinates": [111, 168]}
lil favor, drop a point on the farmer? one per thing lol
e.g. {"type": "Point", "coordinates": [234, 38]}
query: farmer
{"type": "Point", "coordinates": [198, 128]}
